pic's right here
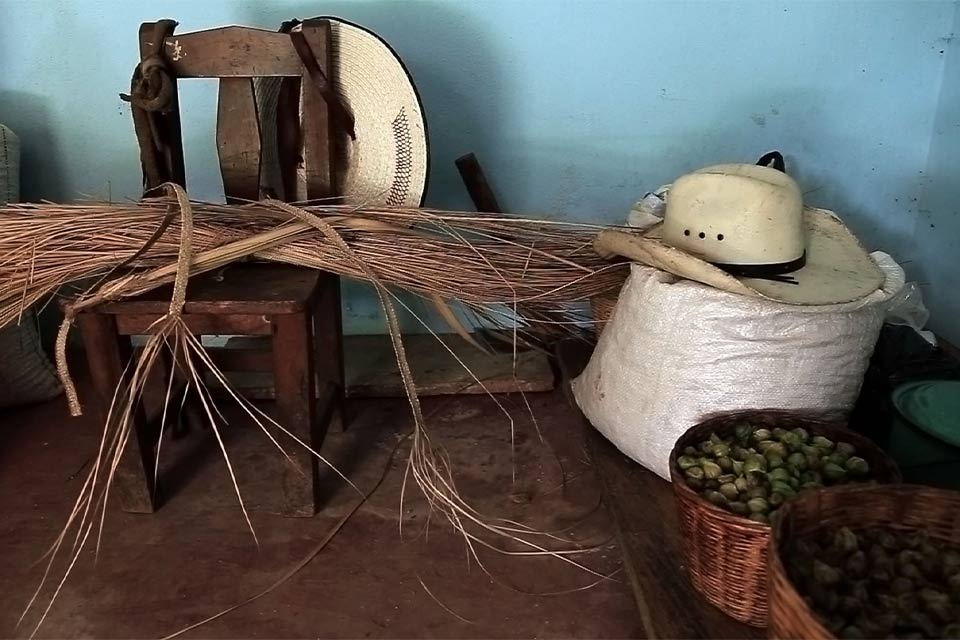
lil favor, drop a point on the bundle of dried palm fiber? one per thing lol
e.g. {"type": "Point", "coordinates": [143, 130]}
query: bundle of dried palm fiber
{"type": "Point", "coordinates": [517, 273]}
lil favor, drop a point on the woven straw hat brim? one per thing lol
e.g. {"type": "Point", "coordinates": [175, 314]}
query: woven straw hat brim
{"type": "Point", "coordinates": [389, 162]}
{"type": "Point", "coordinates": [838, 269]}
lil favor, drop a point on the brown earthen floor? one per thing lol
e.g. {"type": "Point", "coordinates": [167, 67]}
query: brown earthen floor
{"type": "Point", "coordinates": [195, 556]}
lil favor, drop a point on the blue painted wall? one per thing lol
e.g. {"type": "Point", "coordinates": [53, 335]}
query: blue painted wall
{"type": "Point", "coordinates": [937, 236]}
{"type": "Point", "coordinates": [574, 108]}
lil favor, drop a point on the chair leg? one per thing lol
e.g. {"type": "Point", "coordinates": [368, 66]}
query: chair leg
{"type": "Point", "coordinates": [296, 405]}
{"type": "Point", "coordinates": [107, 355]}
{"type": "Point", "coordinates": [328, 344]}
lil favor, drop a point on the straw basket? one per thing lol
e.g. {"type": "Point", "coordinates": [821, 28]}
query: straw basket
{"type": "Point", "coordinates": [901, 507]}
{"type": "Point", "coordinates": [726, 555]}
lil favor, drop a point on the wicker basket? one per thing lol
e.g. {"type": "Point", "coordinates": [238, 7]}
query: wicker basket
{"type": "Point", "coordinates": [902, 507]}
{"type": "Point", "coordinates": [726, 555]}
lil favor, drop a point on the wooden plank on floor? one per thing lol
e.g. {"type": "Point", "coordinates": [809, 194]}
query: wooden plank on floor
{"type": "Point", "coordinates": [643, 508]}
{"type": "Point", "coordinates": [371, 368]}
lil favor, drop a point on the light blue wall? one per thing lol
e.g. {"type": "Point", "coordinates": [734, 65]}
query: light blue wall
{"type": "Point", "coordinates": [937, 236]}
{"type": "Point", "coordinates": [574, 108]}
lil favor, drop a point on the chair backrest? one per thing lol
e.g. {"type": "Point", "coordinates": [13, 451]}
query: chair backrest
{"type": "Point", "coordinates": [237, 55]}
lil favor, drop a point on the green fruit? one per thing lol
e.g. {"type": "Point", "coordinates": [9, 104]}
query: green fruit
{"type": "Point", "coordinates": [825, 575]}
{"type": "Point", "coordinates": [778, 474]}
{"type": "Point", "coordinates": [729, 491]}
{"type": "Point", "coordinates": [720, 449]}
{"type": "Point", "coordinates": [776, 499]}
{"type": "Point", "coordinates": [813, 461]}
{"type": "Point", "coordinates": [833, 473]}
{"type": "Point", "coordinates": [911, 571]}
{"type": "Point", "coordinates": [763, 445]}
{"type": "Point", "coordinates": [821, 442]}
{"type": "Point", "coordinates": [797, 460]}
{"type": "Point", "coordinates": [757, 492]}
{"type": "Point", "coordinates": [845, 541]}
{"type": "Point", "coordinates": [783, 489]}
{"type": "Point", "coordinates": [694, 473]}
{"type": "Point", "coordinates": [794, 483]}
{"type": "Point", "coordinates": [879, 576]}
{"type": "Point", "coordinates": [762, 434]}
{"type": "Point", "coordinates": [778, 433]}
{"type": "Point", "coordinates": [774, 462]}
{"type": "Point", "coordinates": [758, 505]}
{"type": "Point", "coordinates": [742, 432]}
{"type": "Point", "coordinates": [801, 433]}
{"type": "Point", "coordinates": [856, 564]}
{"type": "Point", "coordinates": [714, 438]}
{"type": "Point", "coordinates": [851, 632]}
{"type": "Point", "coordinates": [685, 462]}
{"type": "Point", "coordinates": [725, 478]}
{"type": "Point", "coordinates": [739, 508]}
{"type": "Point", "coordinates": [740, 453]}
{"type": "Point", "coordinates": [901, 585]}
{"type": "Point", "coordinates": [759, 517]}
{"type": "Point", "coordinates": [846, 449]}
{"type": "Point", "coordinates": [837, 458]}
{"type": "Point", "coordinates": [850, 606]}
{"type": "Point", "coordinates": [754, 463]}
{"type": "Point", "coordinates": [706, 446]}
{"type": "Point", "coordinates": [791, 440]}
{"type": "Point", "coordinates": [711, 470]}
{"type": "Point", "coordinates": [954, 583]}
{"type": "Point", "coordinates": [690, 451]}
{"type": "Point", "coordinates": [737, 467]}
{"type": "Point", "coordinates": [715, 497]}
{"type": "Point", "coordinates": [773, 514]}
{"type": "Point", "coordinates": [741, 484]}
{"type": "Point", "coordinates": [857, 466]}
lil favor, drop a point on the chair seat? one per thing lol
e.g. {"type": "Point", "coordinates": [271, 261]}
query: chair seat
{"type": "Point", "coordinates": [238, 289]}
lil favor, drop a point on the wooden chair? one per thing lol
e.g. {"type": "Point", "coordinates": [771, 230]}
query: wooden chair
{"type": "Point", "coordinates": [299, 308]}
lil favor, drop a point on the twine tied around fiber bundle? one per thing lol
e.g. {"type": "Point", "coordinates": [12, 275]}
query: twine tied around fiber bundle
{"type": "Point", "coordinates": [117, 288]}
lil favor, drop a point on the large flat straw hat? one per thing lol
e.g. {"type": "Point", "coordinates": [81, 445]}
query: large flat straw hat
{"type": "Point", "coordinates": [743, 228]}
{"type": "Point", "coordinates": [388, 162]}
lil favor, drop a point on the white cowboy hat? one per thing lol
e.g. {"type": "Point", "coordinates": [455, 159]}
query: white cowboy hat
{"type": "Point", "coordinates": [743, 228]}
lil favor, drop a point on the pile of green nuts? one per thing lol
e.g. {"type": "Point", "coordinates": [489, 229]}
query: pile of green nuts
{"type": "Point", "coordinates": [753, 471]}
{"type": "Point", "coordinates": [877, 583]}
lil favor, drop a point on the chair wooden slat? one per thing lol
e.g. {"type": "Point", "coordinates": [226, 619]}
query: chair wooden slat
{"type": "Point", "coordinates": [238, 139]}
{"type": "Point", "coordinates": [318, 133]}
{"type": "Point", "coordinates": [233, 51]}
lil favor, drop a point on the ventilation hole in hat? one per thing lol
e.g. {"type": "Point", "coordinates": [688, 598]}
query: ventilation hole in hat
{"type": "Point", "coordinates": [686, 232]}
{"type": "Point", "coordinates": [719, 236]}
{"type": "Point", "coordinates": [703, 235]}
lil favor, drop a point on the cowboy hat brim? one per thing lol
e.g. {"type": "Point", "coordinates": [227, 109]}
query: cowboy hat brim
{"type": "Point", "coordinates": [838, 269]}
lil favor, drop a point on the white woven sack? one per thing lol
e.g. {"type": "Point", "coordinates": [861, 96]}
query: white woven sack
{"type": "Point", "coordinates": [26, 374]}
{"type": "Point", "coordinates": [676, 350]}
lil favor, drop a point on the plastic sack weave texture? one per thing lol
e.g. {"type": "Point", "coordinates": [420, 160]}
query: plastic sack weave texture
{"type": "Point", "coordinates": [676, 351]}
